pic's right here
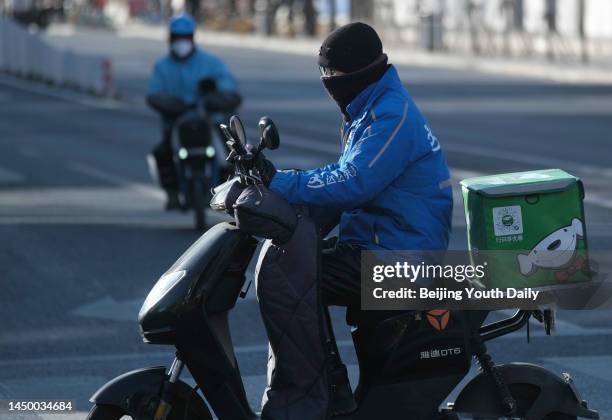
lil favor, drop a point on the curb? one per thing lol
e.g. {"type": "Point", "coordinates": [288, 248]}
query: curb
{"type": "Point", "coordinates": [570, 73]}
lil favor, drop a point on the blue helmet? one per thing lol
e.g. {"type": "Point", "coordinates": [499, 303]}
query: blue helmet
{"type": "Point", "coordinates": [182, 24]}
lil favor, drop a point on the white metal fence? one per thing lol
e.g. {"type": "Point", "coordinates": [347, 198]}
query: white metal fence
{"type": "Point", "coordinates": [26, 55]}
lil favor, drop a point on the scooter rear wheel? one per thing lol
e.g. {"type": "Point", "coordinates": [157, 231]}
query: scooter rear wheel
{"type": "Point", "coordinates": [525, 395]}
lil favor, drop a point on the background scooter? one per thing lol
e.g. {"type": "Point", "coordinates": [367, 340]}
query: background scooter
{"type": "Point", "coordinates": [408, 364]}
{"type": "Point", "coordinates": [198, 150]}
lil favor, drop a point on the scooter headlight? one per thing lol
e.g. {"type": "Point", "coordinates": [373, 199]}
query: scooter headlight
{"type": "Point", "coordinates": [161, 288]}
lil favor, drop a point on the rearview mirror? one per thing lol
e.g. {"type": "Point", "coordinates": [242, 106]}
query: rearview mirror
{"type": "Point", "coordinates": [238, 129]}
{"type": "Point", "coordinates": [269, 134]}
{"type": "Point", "coordinates": [270, 137]}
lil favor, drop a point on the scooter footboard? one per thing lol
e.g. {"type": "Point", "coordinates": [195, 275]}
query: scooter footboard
{"type": "Point", "coordinates": [551, 394]}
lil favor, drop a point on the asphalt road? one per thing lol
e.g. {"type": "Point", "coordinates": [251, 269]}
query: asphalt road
{"type": "Point", "coordinates": [84, 237]}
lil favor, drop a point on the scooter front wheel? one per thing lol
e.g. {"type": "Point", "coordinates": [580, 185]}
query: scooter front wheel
{"type": "Point", "coordinates": [194, 410]}
{"type": "Point", "coordinates": [186, 405]}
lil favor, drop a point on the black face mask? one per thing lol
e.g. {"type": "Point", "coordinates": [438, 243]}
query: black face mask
{"type": "Point", "coordinates": [343, 89]}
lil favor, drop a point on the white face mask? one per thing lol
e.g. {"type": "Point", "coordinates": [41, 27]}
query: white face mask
{"type": "Point", "coordinates": [181, 48]}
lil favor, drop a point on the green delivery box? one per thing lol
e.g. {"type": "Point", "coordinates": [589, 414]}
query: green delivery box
{"type": "Point", "coordinates": [528, 226]}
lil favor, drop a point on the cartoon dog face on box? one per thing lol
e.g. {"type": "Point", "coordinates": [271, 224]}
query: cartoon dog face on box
{"type": "Point", "coordinates": [555, 251]}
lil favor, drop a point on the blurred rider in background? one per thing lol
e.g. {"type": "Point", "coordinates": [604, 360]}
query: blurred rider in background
{"type": "Point", "coordinates": [188, 73]}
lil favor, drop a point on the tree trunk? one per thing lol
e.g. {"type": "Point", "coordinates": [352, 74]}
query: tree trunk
{"type": "Point", "coordinates": [310, 18]}
{"type": "Point", "coordinates": [584, 54]}
{"type": "Point", "coordinates": [332, 15]}
{"type": "Point", "coordinates": [233, 8]}
{"type": "Point", "coordinates": [519, 15]}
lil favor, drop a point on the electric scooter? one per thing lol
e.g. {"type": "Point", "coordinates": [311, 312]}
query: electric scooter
{"type": "Point", "coordinates": [408, 363]}
{"type": "Point", "coordinates": [196, 149]}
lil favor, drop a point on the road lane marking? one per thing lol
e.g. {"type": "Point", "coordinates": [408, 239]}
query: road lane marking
{"type": "Point", "coordinates": [597, 366]}
{"type": "Point", "coordinates": [100, 358]}
{"type": "Point", "coordinates": [116, 205]}
{"type": "Point", "coordinates": [590, 198]}
{"type": "Point", "coordinates": [312, 145]}
{"type": "Point", "coordinates": [4, 392]}
{"type": "Point", "coordinates": [523, 158]}
{"type": "Point", "coordinates": [157, 222]}
{"type": "Point", "coordinates": [8, 176]}
{"type": "Point", "coordinates": [118, 357]}
{"type": "Point", "coordinates": [141, 188]}
{"type": "Point", "coordinates": [563, 328]}
{"type": "Point", "coordinates": [598, 200]}
{"type": "Point", "coordinates": [50, 200]}
{"type": "Point", "coordinates": [30, 152]}
{"type": "Point", "coordinates": [137, 187]}
{"type": "Point", "coordinates": [52, 334]}
{"type": "Point", "coordinates": [110, 309]}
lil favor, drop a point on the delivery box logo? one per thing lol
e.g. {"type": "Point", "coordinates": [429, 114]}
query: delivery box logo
{"type": "Point", "coordinates": [557, 251]}
{"type": "Point", "coordinates": [438, 318]}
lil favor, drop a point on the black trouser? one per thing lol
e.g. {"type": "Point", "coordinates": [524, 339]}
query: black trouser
{"type": "Point", "coordinates": [164, 159]}
{"type": "Point", "coordinates": [341, 275]}
{"type": "Point", "coordinates": [341, 283]}
{"type": "Point", "coordinates": [341, 286]}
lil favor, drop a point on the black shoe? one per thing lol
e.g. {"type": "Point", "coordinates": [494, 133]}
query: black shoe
{"type": "Point", "coordinates": [172, 200]}
{"type": "Point", "coordinates": [343, 401]}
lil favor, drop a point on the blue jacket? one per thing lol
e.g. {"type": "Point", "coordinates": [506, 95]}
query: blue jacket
{"type": "Point", "coordinates": [391, 181]}
{"type": "Point", "coordinates": [181, 78]}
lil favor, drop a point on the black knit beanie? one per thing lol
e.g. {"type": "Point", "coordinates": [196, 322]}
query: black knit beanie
{"type": "Point", "coordinates": [354, 49]}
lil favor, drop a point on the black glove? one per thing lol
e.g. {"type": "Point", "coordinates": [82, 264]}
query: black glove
{"type": "Point", "coordinates": [265, 168]}
{"type": "Point", "coordinates": [207, 86]}
{"type": "Point", "coordinates": [222, 101]}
